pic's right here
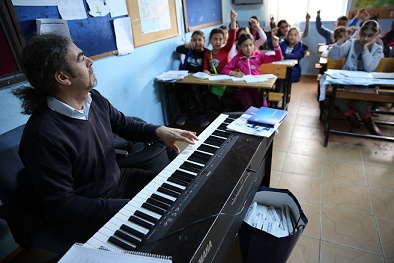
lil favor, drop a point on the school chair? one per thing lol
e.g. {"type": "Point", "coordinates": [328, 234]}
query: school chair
{"type": "Point", "coordinates": [280, 87]}
{"type": "Point", "coordinates": [20, 205]}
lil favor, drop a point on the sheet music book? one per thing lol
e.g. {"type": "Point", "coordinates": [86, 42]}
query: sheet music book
{"type": "Point", "coordinates": [268, 117]}
{"type": "Point", "coordinates": [80, 253]}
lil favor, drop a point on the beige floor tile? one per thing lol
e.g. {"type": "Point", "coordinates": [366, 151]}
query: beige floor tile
{"type": "Point", "coordinates": [275, 177]}
{"type": "Point", "coordinates": [376, 156]}
{"type": "Point", "coordinates": [331, 253]}
{"type": "Point", "coordinates": [285, 129]}
{"type": "Point", "coordinates": [310, 133]}
{"type": "Point", "coordinates": [309, 121]}
{"type": "Point", "coordinates": [382, 203]}
{"type": "Point", "coordinates": [281, 143]}
{"type": "Point", "coordinates": [290, 118]}
{"type": "Point", "coordinates": [380, 177]}
{"type": "Point", "coordinates": [388, 260]}
{"type": "Point", "coordinates": [350, 228]}
{"type": "Point", "coordinates": [309, 111]}
{"type": "Point", "coordinates": [305, 251]}
{"type": "Point", "coordinates": [345, 171]}
{"type": "Point", "coordinates": [305, 188]}
{"type": "Point", "coordinates": [303, 164]}
{"type": "Point", "coordinates": [312, 212]}
{"type": "Point", "coordinates": [278, 160]}
{"type": "Point", "coordinates": [307, 147]}
{"type": "Point", "coordinates": [386, 231]}
{"type": "Point", "coordinates": [343, 151]}
{"type": "Point", "coordinates": [346, 196]}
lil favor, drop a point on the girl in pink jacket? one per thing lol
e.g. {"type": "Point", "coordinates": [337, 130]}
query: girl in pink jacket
{"type": "Point", "coordinates": [248, 62]}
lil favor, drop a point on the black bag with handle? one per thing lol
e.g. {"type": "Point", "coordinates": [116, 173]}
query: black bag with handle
{"type": "Point", "coordinates": [144, 155]}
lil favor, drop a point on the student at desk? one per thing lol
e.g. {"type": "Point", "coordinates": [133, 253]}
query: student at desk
{"type": "Point", "coordinates": [248, 63]}
{"type": "Point", "coordinates": [194, 52]}
{"type": "Point", "coordinates": [219, 97]}
{"type": "Point", "coordinates": [361, 54]}
{"type": "Point", "coordinates": [67, 144]}
{"type": "Point", "coordinates": [293, 48]}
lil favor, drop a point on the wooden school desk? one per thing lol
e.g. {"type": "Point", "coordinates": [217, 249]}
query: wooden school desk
{"type": "Point", "coordinates": [383, 93]}
{"type": "Point", "coordinates": [265, 86]}
{"type": "Point", "coordinates": [282, 70]}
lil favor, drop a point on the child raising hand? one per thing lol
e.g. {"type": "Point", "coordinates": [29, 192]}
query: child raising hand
{"type": "Point", "coordinates": [248, 63]}
{"type": "Point", "coordinates": [218, 57]}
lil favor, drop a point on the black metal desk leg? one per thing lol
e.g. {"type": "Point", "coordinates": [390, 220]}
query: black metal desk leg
{"type": "Point", "coordinates": [329, 115]}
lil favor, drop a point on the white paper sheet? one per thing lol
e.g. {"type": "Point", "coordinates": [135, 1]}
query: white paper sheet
{"type": "Point", "coordinates": [98, 7]}
{"type": "Point", "coordinates": [117, 7]}
{"type": "Point", "coordinates": [71, 9]}
{"type": "Point", "coordinates": [124, 35]}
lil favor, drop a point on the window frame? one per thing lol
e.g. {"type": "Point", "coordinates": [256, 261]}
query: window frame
{"type": "Point", "coordinates": [16, 43]}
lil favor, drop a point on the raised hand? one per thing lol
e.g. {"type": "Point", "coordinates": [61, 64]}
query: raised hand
{"type": "Point", "coordinates": [275, 40]}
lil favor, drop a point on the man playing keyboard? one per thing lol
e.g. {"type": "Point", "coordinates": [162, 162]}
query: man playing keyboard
{"type": "Point", "coordinates": [67, 144]}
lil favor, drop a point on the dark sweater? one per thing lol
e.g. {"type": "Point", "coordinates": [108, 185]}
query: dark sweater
{"type": "Point", "coordinates": [72, 164]}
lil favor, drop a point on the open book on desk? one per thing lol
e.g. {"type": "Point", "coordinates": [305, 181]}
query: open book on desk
{"type": "Point", "coordinates": [80, 253]}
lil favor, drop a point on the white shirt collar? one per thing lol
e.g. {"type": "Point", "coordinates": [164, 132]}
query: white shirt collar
{"type": "Point", "coordinates": [66, 110]}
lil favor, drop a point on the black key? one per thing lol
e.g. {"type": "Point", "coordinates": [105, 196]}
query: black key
{"type": "Point", "coordinates": [220, 133]}
{"type": "Point", "coordinates": [157, 203]}
{"type": "Point", "coordinates": [207, 148]}
{"type": "Point", "coordinates": [202, 155]}
{"type": "Point", "coordinates": [184, 174]}
{"type": "Point", "coordinates": [119, 243]}
{"type": "Point", "coordinates": [167, 192]}
{"type": "Point", "coordinates": [140, 222]}
{"type": "Point", "coordinates": [132, 231]}
{"type": "Point", "coordinates": [172, 187]}
{"type": "Point", "coordinates": [146, 217]}
{"type": "Point", "coordinates": [199, 157]}
{"type": "Point", "coordinates": [213, 141]}
{"type": "Point", "coordinates": [178, 181]}
{"type": "Point", "coordinates": [154, 208]}
{"type": "Point", "coordinates": [191, 167]}
{"type": "Point", "coordinates": [162, 199]}
{"type": "Point", "coordinates": [181, 177]}
{"type": "Point", "coordinates": [127, 237]}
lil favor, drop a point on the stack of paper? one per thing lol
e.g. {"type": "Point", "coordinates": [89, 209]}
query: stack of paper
{"type": "Point", "coordinates": [172, 75]}
{"type": "Point", "coordinates": [242, 125]}
{"type": "Point", "coordinates": [277, 222]}
{"type": "Point", "coordinates": [219, 77]}
{"type": "Point", "coordinates": [201, 75]}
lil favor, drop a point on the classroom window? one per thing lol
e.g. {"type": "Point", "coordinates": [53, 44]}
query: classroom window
{"type": "Point", "coordinates": [294, 11]}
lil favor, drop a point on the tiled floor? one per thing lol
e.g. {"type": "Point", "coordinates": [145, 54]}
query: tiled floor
{"type": "Point", "coordinates": [346, 190]}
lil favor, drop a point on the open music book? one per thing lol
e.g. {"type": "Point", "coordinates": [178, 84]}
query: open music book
{"type": "Point", "coordinates": [81, 253]}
